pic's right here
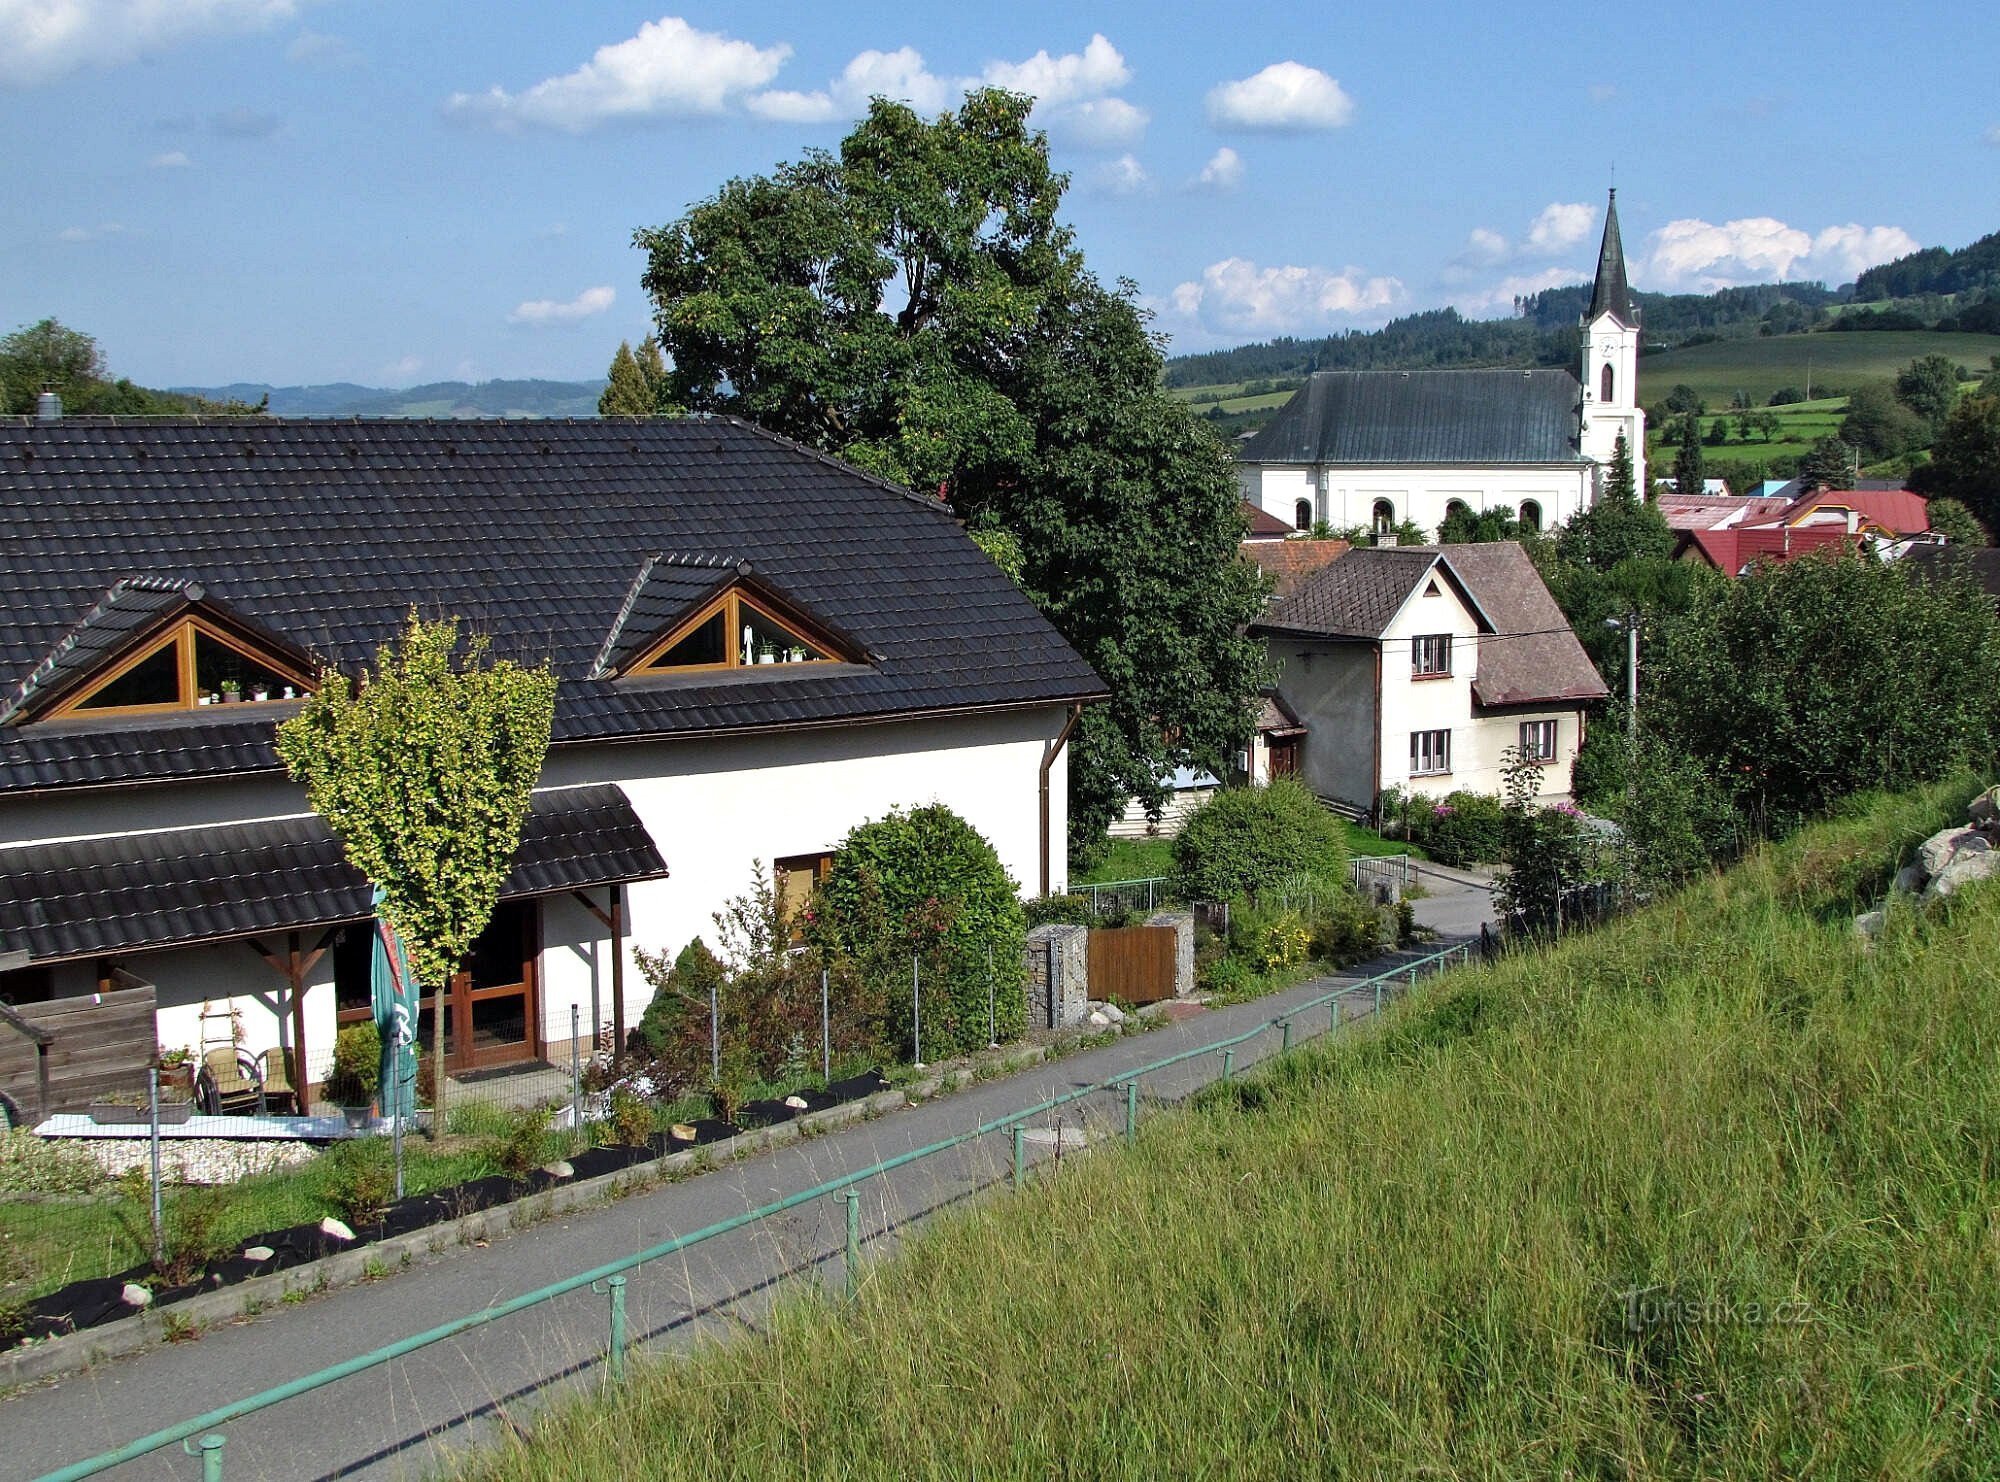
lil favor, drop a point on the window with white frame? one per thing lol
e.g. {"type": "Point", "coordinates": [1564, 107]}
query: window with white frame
{"type": "Point", "coordinates": [1430, 753]}
{"type": "Point", "coordinates": [1430, 656]}
{"type": "Point", "coordinates": [1538, 740]}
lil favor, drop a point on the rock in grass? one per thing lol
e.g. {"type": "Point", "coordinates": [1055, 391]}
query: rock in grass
{"type": "Point", "coordinates": [1911, 879]}
{"type": "Point", "coordinates": [1870, 923]}
{"type": "Point", "coordinates": [1964, 870]}
{"type": "Point", "coordinates": [333, 1229]}
{"type": "Point", "coordinates": [135, 1295]}
{"type": "Point", "coordinates": [258, 1253]}
{"type": "Point", "coordinates": [796, 1103]}
{"type": "Point", "coordinates": [681, 1132]}
{"type": "Point", "coordinates": [1941, 848]}
{"type": "Point", "coordinates": [559, 1169]}
{"type": "Point", "coordinates": [1985, 808]}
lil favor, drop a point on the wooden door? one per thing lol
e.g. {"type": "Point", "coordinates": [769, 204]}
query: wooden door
{"type": "Point", "coordinates": [495, 998]}
{"type": "Point", "coordinates": [1134, 964]}
{"type": "Point", "coordinates": [1284, 756]}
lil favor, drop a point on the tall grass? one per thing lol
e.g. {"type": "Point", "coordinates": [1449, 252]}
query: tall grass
{"type": "Point", "coordinates": [1411, 1253]}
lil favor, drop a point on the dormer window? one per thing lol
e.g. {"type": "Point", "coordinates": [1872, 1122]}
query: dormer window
{"type": "Point", "coordinates": [736, 631]}
{"type": "Point", "coordinates": [193, 663]}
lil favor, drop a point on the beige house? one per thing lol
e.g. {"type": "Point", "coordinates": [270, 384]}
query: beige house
{"type": "Point", "coordinates": [1428, 668]}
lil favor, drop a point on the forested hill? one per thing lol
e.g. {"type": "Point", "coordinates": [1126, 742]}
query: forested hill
{"type": "Point", "coordinates": [439, 399]}
{"type": "Point", "coordinates": [1935, 270]}
{"type": "Point", "coordinates": [1541, 333]}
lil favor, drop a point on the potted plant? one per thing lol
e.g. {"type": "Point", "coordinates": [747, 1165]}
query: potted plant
{"type": "Point", "coordinates": [357, 1070]}
{"type": "Point", "coordinates": [260, 691]}
{"type": "Point", "coordinates": [176, 1068]}
{"type": "Point", "coordinates": [130, 1108]}
{"type": "Point", "coordinates": [232, 691]}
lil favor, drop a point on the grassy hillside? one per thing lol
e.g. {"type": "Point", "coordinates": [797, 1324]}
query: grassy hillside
{"type": "Point", "coordinates": [1413, 1253]}
{"type": "Point", "coordinates": [1762, 366]}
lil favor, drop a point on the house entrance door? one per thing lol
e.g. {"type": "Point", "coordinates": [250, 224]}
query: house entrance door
{"type": "Point", "coordinates": [495, 997]}
{"type": "Point", "coordinates": [1284, 756]}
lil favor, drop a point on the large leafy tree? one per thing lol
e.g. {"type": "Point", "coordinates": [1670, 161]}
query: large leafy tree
{"type": "Point", "coordinates": [1618, 525]}
{"type": "Point", "coordinates": [424, 770]}
{"type": "Point", "coordinates": [914, 305]}
{"type": "Point", "coordinates": [1965, 460]}
{"type": "Point", "coordinates": [1928, 386]}
{"type": "Point", "coordinates": [1689, 475]}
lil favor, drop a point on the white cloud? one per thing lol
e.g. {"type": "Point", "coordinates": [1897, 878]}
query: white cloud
{"type": "Point", "coordinates": [1560, 226]}
{"type": "Point", "coordinates": [1091, 73]}
{"type": "Point", "coordinates": [92, 233]}
{"type": "Point", "coordinates": [1698, 255]}
{"type": "Point", "coordinates": [1486, 245]}
{"type": "Point", "coordinates": [403, 370]}
{"type": "Point", "coordinates": [1100, 123]}
{"type": "Point", "coordinates": [900, 75]}
{"type": "Point", "coordinates": [1285, 96]}
{"type": "Point", "coordinates": [1602, 92]}
{"type": "Point", "coordinates": [668, 70]}
{"type": "Point", "coordinates": [1236, 296]}
{"type": "Point", "coordinates": [541, 311]}
{"type": "Point", "coordinates": [173, 159]}
{"type": "Point", "coordinates": [1477, 303]}
{"type": "Point", "coordinates": [1224, 171]}
{"type": "Point", "coordinates": [41, 40]}
{"type": "Point", "coordinates": [1124, 176]}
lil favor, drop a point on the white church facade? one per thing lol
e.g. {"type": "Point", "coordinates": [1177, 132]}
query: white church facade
{"type": "Point", "coordinates": [1376, 448]}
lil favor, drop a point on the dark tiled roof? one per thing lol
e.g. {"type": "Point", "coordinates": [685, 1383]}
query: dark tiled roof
{"type": "Point", "coordinates": [1359, 595]}
{"type": "Point", "coordinates": [1610, 293]}
{"type": "Point", "coordinates": [141, 891]}
{"type": "Point", "coordinates": [327, 533]}
{"type": "Point", "coordinates": [134, 604]}
{"type": "Point", "coordinates": [1484, 417]}
{"type": "Point", "coordinates": [667, 587]}
{"type": "Point", "coordinates": [1289, 562]}
{"type": "Point", "coordinates": [1532, 655]}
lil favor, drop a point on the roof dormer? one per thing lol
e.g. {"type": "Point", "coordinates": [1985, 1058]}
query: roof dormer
{"type": "Point", "coordinates": [690, 614]}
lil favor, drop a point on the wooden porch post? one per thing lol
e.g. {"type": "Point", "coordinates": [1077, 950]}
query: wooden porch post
{"type": "Point", "coordinates": [295, 973]}
{"type": "Point", "coordinates": [617, 972]}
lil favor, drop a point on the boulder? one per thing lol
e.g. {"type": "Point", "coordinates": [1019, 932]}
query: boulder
{"type": "Point", "coordinates": [334, 1229]}
{"type": "Point", "coordinates": [1985, 809]}
{"type": "Point", "coordinates": [681, 1132]}
{"type": "Point", "coordinates": [1870, 923]}
{"type": "Point", "coordinates": [797, 1103]}
{"type": "Point", "coordinates": [1964, 870]}
{"type": "Point", "coordinates": [135, 1295]}
{"type": "Point", "coordinates": [559, 1170]}
{"type": "Point", "coordinates": [1940, 849]}
{"type": "Point", "coordinates": [1097, 1020]}
{"type": "Point", "coordinates": [1910, 879]}
{"type": "Point", "coordinates": [259, 1253]}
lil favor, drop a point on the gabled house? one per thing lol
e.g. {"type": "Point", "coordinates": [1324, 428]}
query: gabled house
{"type": "Point", "coordinates": [1419, 667]}
{"type": "Point", "coordinates": [757, 648]}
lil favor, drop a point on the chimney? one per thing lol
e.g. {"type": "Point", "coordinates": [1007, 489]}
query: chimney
{"type": "Point", "coordinates": [48, 406]}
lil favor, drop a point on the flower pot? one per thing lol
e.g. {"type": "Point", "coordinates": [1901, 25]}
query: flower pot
{"type": "Point", "coordinates": [261, 692]}
{"type": "Point", "coordinates": [359, 1118]}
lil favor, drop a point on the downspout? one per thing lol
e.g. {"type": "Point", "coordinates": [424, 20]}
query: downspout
{"type": "Point", "coordinates": [1049, 755]}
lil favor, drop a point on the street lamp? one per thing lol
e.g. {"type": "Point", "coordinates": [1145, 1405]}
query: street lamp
{"type": "Point", "coordinates": [1630, 623]}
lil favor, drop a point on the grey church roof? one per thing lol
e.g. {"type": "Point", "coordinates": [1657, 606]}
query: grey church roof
{"type": "Point", "coordinates": [561, 540]}
{"type": "Point", "coordinates": [1400, 418]}
{"type": "Point", "coordinates": [1610, 294]}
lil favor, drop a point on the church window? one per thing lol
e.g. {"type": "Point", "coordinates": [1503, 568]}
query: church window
{"type": "Point", "coordinates": [1302, 514]}
{"type": "Point", "coordinates": [1604, 385]}
{"type": "Point", "coordinates": [1384, 517]}
{"type": "Point", "coordinates": [1531, 514]}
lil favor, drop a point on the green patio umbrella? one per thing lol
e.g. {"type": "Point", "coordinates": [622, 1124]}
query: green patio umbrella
{"type": "Point", "coordinates": [395, 999]}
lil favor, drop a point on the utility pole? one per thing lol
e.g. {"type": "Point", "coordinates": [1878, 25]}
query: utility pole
{"type": "Point", "coordinates": [1630, 623]}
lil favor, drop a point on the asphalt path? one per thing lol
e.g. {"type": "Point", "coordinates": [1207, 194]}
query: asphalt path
{"type": "Point", "coordinates": [407, 1418]}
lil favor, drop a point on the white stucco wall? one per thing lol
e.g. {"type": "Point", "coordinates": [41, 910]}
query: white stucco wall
{"type": "Point", "coordinates": [1442, 703]}
{"type": "Point", "coordinates": [1348, 494]}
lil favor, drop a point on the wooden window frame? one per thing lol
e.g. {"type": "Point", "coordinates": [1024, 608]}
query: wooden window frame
{"type": "Point", "coordinates": [1443, 753]}
{"type": "Point", "coordinates": [818, 863]}
{"type": "Point", "coordinates": [731, 603]}
{"type": "Point", "coordinates": [181, 635]}
{"type": "Point", "coordinates": [1442, 650]}
{"type": "Point", "coordinates": [1541, 727]}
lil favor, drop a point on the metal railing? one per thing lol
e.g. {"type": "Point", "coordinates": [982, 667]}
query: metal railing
{"type": "Point", "coordinates": [609, 1278]}
{"type": "Point", "coordinates": [1396, 871]}
{"type": "Point", "coordinates": [1117, 897]}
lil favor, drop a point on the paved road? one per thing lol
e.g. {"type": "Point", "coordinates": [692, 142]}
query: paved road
{"type": "Point", "coordinates": [407, 1417]}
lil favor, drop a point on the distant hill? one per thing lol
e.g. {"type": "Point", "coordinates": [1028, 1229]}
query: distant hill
{"type": "Point", "coordinates": [1935, 270]}
{"type": "Point", "coordinates": [438, 399]}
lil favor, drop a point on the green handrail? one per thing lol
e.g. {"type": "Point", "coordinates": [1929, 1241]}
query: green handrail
{"type": "Point", "coordinates": [403, 1347]}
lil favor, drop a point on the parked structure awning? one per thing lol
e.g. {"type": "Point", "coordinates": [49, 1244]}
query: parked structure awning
{"type": "Point", "coordinates": [142, 892]}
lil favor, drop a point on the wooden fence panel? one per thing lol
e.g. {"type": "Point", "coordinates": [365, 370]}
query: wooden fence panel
{"type": "Point", "coordinates": [1134, 964]}
{"type": "Point", "coordinates": [103, 1043]}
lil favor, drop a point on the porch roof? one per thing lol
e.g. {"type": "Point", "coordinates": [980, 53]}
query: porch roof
{"type": "Point", "coordinates": [182, 887]}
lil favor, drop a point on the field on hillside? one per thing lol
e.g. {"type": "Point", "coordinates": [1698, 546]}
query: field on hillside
{"type": "Point", "coordinates": [1762, 366]}
{"type": "Point", "coordinates": [1710, 1192]}
{"type": "Point", "coordinates": [1800, 425]}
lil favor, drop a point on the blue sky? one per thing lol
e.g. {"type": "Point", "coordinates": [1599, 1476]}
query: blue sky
{"type": "Point", "coordinates": [319, 190]}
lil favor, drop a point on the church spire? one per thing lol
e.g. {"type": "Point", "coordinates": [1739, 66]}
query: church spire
{"type": "Point", "coordinates": [1611, 295]}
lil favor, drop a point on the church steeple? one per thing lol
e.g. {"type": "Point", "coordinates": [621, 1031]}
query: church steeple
{"type": "Point", "coordinates": [1611, 295]}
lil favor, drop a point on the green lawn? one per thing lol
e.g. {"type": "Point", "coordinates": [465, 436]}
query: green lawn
{"type": "Point", "coordinates": [1709, 1192]}
{"type": "Point", "coordinates": [1760, 366]}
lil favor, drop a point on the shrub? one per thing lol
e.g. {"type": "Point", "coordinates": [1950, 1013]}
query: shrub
{"type": "Point", "coordinates": [33, 1165]}
{"type": "Point", "coordinates": [1247, 839]}
{"type": "Point", "coordinates": [1063, 910]}
{"type": "Point", "coordinates": [1464, 829]}
{"type": "Point", "coordinates": [357, 1066]}
{"type": "Point", "coordinates": [631, 1118]}
{"type": "Point", "coordinates": [679, 988]}
{"type": "Point", "coordinates": [361, 1181]}
{"type": "Point", "coordinates": [519, 1149]}
{"type": "Point", "coordinates": [924, 882]}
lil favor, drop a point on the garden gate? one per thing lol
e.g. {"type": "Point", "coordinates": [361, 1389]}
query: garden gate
{"type": "Point", "coordinates": [1134, 964]}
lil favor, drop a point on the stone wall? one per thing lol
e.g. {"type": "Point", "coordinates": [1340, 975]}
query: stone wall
{"type": "Point", "coordinates": [1058, 954]}
{"type": "Point", "coordinates": [1183, 924]}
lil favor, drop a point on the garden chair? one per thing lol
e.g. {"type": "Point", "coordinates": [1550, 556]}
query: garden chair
{"type": "Point", "coordinates": [279, 1093]}
{"type": "Point", "coordinates": [230, 1088]}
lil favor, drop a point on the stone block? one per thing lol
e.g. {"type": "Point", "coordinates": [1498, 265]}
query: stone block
{"type": "Point", "coordinates": [1057, 957]}
{"type": "Point", "coordinates": [1183, 924]}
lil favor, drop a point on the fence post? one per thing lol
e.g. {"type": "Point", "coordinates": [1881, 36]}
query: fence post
{"type": "Point", "coordinates": [1378, 993]}
{"type": "Point", "coordinates": [209, 1449]}
{"type": "Point", "coordinates": [992, 1024]}
{"type": "Point", "coordinates": [853, 1198]}
{"type": "Point", "coordinates": [1131, 1110]}
{"type": "Point", "coordinates": [159, 1222]}
{"type": "Point", "coordinates": [714, 1031]}
{"type": "Point", "coordinates": [916, 1015]}
{"type": "Point", "coordinates": [1020, 1154]}
{"type": "Point", "coordinates": [1229, 1062]}
{"type": "Point", "coordinates": [614, 1359]}
{"type": "Point", "coordinates": [825, 1030]}
{"type": "Point", "coordinates": [575, 1075]}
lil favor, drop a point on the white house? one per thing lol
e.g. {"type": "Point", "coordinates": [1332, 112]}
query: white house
{"type": "Point", "coordinates": [1419, 667]}
{"type": "Point", "coordinates": [1375, 448]}
{"type": "Point", "coordinates": [757, 648]}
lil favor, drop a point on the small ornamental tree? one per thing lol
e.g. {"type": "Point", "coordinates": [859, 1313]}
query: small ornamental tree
{"type": "Point", "coordinates": [924, 883]}
{"type": "Point", "coordinates": [424, 770]}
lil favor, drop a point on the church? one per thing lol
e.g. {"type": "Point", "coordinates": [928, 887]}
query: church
{"type": "Point", "coordinates": [1375, 448]}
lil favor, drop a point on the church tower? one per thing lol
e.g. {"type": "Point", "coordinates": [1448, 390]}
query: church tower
{"type": "Point", "coordinates": [1611, 361]}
